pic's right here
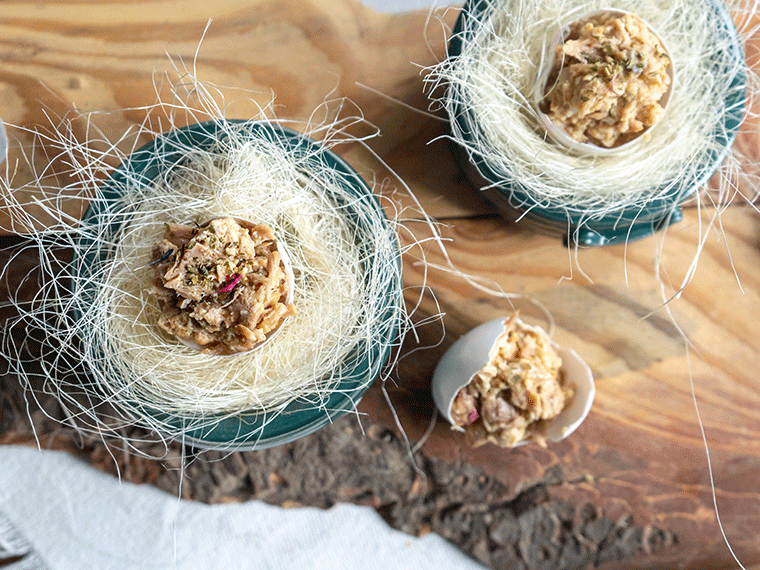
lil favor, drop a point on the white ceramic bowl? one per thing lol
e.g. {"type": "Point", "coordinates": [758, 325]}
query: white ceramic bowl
{"type": "Point", "coordinates": [555, 131]}
{"type": "Point", "coordinates": [467, 356]}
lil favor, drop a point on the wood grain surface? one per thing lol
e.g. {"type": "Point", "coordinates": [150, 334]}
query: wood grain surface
{"type": "Point", "coordinates": [641, 452]}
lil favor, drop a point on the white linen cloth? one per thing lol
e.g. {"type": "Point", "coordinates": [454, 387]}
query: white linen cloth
{"type": "Point", "coordinates": [69, 516]}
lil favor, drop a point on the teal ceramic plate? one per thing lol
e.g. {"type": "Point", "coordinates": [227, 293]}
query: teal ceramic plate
{"type": "Point", "coordinates": [584, 228]}
{"type": "Point", "coordinates": [254, 430]}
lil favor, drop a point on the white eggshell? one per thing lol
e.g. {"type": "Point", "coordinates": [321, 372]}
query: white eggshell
{"type": "Point", "coordinates": [471, 352]}
{"type": "Point", "coordinates": [555, 131]}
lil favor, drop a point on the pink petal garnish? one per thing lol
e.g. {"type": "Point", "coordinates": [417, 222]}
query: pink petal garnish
{"type": "Point", "coordinates": [473, 416]}
{"type": "Point", "coordinates": [230, 285]}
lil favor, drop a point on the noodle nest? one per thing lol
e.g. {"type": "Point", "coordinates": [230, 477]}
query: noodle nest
{"type": "Point", "coordinates": [495, 58]}
{"type": "Point", "coordinates": [347, 286]}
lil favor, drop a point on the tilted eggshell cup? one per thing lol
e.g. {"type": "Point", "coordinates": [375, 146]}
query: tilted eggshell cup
{"type": "Point", "coordinates": [287, 267]}
{"type": "Point", "coordinates": [555, 131]}
{"type": "Point", "coordinates": [471, 352]}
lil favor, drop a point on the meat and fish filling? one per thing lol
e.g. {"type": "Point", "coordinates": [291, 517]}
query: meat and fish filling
{"type": "Point", "coordinates": [521, 386]}
{"type": "Point", "coordinates": [608, 79]}
{"type": "Point", "coordinates": [222, 286]}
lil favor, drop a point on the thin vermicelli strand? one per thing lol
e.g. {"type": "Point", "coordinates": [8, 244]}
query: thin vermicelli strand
{"type": "Point", "coordinates": [489, 86]}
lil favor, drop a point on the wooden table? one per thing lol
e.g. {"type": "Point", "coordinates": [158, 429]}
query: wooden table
{"type": "Point", "coordinates": [641, 452]}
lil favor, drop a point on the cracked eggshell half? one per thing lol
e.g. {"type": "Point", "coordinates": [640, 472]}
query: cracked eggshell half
{"type": "Point", "coordinates": [472, 351]}
{"type": "Point", "coordinates": [556, 132]}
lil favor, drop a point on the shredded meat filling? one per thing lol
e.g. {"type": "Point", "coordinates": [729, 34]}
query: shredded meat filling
{"type": "Point", "coordinates": [509, 398]}
{"type": "Point", "coordinates": [222, 286]}
{"type": "Point", "coordinates": [607, 81]}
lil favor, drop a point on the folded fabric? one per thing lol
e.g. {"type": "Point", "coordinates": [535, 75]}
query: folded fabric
{"type": "Point", "coordinates": [16, 552]}
{"type": "Point", "coordinates": [66, 513]}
